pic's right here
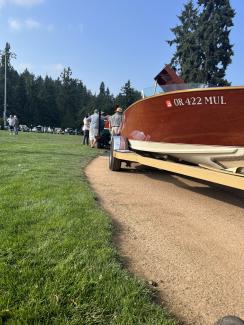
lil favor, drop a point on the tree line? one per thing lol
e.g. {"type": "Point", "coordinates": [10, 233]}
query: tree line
{"type": "Point", "coordinates": [62, 102]}
{"type": "Point", "coordinates": [202, 54]}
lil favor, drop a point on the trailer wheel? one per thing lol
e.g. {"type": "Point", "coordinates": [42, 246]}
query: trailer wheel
{"type": "Point", "coordinates": [114, 163]}
{"type": "Point", "coordinates": [240, 170]}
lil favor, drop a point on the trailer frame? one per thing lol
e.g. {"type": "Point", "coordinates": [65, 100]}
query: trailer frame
{"type": "Point", "coordinates": [222, 177]}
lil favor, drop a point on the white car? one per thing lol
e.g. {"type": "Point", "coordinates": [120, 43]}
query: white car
{"type": "Point", "coordinates": [24, 128]}
{"type": "Point", "coordinates": [58, 130]}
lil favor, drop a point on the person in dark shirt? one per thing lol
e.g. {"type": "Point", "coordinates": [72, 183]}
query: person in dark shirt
{"type": "Point", "coordinates": [16, 125]}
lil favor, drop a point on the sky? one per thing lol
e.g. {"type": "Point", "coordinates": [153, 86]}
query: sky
{"type": "Point", "coordinates": [111, 41]}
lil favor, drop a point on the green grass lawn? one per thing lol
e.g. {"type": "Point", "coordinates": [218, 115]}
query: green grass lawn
{"type": "Point", "coordinates": [58, 264]}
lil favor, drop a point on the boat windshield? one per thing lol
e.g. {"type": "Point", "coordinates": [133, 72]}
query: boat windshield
{"type": "Point", "coordinates": [150, 91]}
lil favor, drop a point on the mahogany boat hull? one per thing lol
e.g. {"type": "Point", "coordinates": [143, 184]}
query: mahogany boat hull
{"type": "Point", "coordinates": [203, 126]}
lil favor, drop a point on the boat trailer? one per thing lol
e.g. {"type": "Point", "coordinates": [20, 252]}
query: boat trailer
{"type": "Point", "coordinates": [119, 153]}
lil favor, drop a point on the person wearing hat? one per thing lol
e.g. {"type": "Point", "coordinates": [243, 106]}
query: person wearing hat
{"type": "Point", "coordinates": [116, 121]}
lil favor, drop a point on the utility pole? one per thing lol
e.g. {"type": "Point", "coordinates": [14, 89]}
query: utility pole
{"type": "Point", "coordinates": [5, 93]}
{"type": "Point", "coordinates": [11, 55]}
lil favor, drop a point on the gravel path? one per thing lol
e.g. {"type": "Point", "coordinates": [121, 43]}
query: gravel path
{"type": "Point", "coordinates": [185, 235]}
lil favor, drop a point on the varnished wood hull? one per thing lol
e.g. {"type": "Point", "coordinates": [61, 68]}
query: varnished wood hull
{"type": "Point", "coordinates": [195, 123]}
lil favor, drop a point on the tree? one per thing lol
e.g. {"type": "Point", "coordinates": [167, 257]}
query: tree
{"type": "Point", "coordinates": [28, 108]}
{"type": "Point", "coordinates": [104, 101]}
{"type": "Point", "coordinates": [21, 101]}
{"type": "Point", "coordinates": [215, 22]}
{"type": "Point", "coordinates": [187, 58]}
{"type": "Point", "coordinates": [203, 49]}
{"type": "Point", "coordinates": [67, 99]}
{"type": "Point", "coordinates": [57, 103]}
{"type": "Point", "coordinates": [46, 102]}
{"type": "Point", "coordinates": [127, 96]}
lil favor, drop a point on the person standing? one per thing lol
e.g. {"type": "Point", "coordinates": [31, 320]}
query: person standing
{"type": "Point", "coordinates": [86, 129]}
{"type": "Point", "coordinates": [102, 122]}
{"type": "Point", "coordinates": [94, 125]}
{"type": "Point", "coordinates": [16, 125]}
{"type": "Point", "coordinates": [116, 121]}
{"type": "Point", "coordinates": [10, 121]}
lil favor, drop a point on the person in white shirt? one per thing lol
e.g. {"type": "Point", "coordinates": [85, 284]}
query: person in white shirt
{"type": "Point", "coordinates": [94, 126]}
{"type": "Point", "coordinates": [11, 122]}
{"type": "Point", "coordinates": [86, 128]}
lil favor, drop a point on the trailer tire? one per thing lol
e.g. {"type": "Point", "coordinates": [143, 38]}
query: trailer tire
{"type": "Point", "coordinates": [114, 163]}
{"type": "Point", "coordinates": [240, 170]}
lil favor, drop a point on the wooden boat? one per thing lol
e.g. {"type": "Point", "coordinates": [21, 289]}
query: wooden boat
{"type": "Point", "coordinates": [203, 126]}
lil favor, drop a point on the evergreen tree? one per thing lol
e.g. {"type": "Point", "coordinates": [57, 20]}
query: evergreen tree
{"type": "Point", "coordinates": [127, 96]}
{"type": "Point", "coordinates": [109, 102]}
{"type": "Point", "coordinates": [101, 98]}
{"type": "Point", "coordinates": [187, 58]}
{"type": "Point", "coordinates": [57, 103]}
{"type": "Point", "coordinates": [29, 108]}
{"type": "Point", "coordinates": [87, 102]}
{"type": "Point", "coordinates": [215, 22]}
{"type": "Point", "coordinates": [47, 105]}
{"type": "Point", "coordinates": [203, 49]}
{"type": "Point", "coordinates": [105, 101]}
{"type": "Point", "coordinates": [21, 101]}
{"type": "Point", "coordinates": [66, 99]}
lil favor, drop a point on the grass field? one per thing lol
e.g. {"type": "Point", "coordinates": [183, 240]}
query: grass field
{"type": "Point", "coordinates": [57, 261]}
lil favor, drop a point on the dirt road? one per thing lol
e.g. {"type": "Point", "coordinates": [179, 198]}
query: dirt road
{"type": "Point", "coordinates": [185, 235]}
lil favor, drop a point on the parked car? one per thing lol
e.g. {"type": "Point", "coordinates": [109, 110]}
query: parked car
{"type": "Point", "coordinates": [24, 128]}
{"type": "Point", "coordinates": [39, 128]}
{"type": "Point", "coordinates": [58, 131]}
{"type": "Point", "coordinates": [69, 131]}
